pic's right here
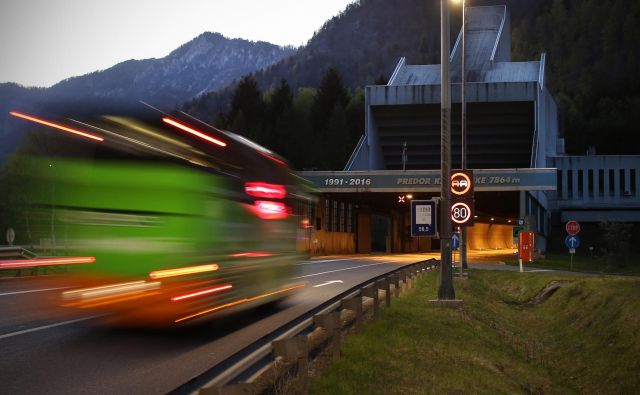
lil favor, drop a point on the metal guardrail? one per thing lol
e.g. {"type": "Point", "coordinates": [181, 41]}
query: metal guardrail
{"type": "Point", "coordinates": [15, 252]}
{"type": "Point", "coordinates": [291, 349]}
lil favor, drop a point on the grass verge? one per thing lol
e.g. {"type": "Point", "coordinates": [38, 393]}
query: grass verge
{"type": "Point", "coordinates": [583, 263]}
{"type": "Point", "coordinates": [583, 339]}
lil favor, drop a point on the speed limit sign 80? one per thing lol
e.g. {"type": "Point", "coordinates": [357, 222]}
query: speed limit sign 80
{"type": "Point", "coordinates": [462, 212]}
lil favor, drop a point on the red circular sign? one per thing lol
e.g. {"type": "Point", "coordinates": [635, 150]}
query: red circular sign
{"type": "Point", "coordinates": [573, 227]}
{"type": "Point", "coordinates": [460, 213]}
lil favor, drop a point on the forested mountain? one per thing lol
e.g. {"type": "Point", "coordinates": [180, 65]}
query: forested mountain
{"type": "Point", "coordinates": [592, 60]}
{"type": "Point", "coordinates": [210, 61]}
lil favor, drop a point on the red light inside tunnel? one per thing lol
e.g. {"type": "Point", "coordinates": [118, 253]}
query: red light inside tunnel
{"type": "Point", "coordinates": [264, 190]}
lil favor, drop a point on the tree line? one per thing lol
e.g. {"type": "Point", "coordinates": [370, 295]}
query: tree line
{"type": "Point", "coordinates": [315, 128]}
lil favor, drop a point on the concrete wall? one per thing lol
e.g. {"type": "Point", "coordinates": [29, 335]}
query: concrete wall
{"type": "Point", "coordinates": [490, 236]}
{"type": "Point", "coordinates": [608, 182]}
{"type": "Point", "coordinates": [328, 243]}
{"type": "Point", "coordinates": [363, 224]}
{"type": "Point", "coordinates": [381, 95]}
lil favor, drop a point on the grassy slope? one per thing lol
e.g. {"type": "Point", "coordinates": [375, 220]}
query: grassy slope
{"type": "Point", "coordinates": [583, 262]}
{"type": "Point", "coordinates": [583, 339]}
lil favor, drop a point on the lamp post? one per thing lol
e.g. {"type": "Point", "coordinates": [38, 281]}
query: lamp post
{"type": "Point", "coordinates": [445, 291]}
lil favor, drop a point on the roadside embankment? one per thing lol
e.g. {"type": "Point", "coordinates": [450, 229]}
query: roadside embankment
{"type": "Point", "coordinates": [516, 333]}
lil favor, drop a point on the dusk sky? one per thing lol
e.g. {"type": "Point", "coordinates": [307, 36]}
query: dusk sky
{"type": "Point", "coordinates": [45, 41]}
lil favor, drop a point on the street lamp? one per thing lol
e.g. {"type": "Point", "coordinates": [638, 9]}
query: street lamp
{"type": "Point", "coordinates": [445, 291]}
{"type": "Point", "coordinates": [463, 131]}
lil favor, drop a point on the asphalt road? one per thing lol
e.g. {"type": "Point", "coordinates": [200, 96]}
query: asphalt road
{"type": "Point", "coordinates": [45, 349]}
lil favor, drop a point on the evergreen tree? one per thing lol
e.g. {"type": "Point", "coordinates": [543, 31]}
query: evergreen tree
{"type": "Point", "coordinates": [247, 100]}
{"type": "Point", "coordinates": [331, 92]}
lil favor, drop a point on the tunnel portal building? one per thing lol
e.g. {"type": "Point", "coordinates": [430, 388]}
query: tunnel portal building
{"type": "Point", "coordinates": [520, 168]}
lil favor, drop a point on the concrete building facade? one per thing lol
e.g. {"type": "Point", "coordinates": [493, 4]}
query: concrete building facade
{"type": "Point", "coordinates": [512, 127]}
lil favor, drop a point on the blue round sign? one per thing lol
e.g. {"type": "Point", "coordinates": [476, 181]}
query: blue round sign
{"type": "Point", "coordinates": [572, 241]}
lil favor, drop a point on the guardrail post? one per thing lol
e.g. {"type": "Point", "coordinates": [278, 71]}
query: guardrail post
{"type": "Point", "coordinates": [330, 322]}
{"type": "Point", "coordinates": [385, 284]}
{"type": "Point", "coordinates": [403, 278]}
{"type": "Point", "coordinates": [395, 279]}
{"type": "Point", "coordinates": [371, 291]}
{"type": "Point", "coordinates": [295, 349]}
{"type": "Point", "coordinates": [354, 304]}
{"type": "Point", "coordinates": [231, 389]}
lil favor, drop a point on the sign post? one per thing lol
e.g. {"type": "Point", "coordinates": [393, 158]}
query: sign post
{"type": "Point", "coordinates": [462, 208]}
{"type": "Point", "coordinates": [572, 241]}
{"type": "Point", "coordinates": [455, 245]}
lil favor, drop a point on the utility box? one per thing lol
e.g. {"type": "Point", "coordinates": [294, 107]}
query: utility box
{"type": "Point", "coordinates": [526, 246]}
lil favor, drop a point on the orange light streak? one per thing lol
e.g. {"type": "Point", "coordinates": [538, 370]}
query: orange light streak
{"type": "Point", "coordinates": [237, 302]}
{"type": "Point", "coordinates": [251, 254]}
{"type": "Point", "coordinates": [203, 292]}
{"type": "Point", "coordinates": [193, 131]}
{"type": "Point", "coordinates": [56, 126]}
{"type": "Point", "coordinates": [21, 263]}
{"type": "Point", "coordinates": [183, 271]}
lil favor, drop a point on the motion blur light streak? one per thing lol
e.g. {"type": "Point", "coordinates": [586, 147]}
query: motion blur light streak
{"type": "Point", "coordinates": [183, 271]}
{"type": "Point", "coordinates": [56, 126]}
{"type": "Point", "coordinates": [193, 131]}
{"type": "Point", "coordinates": [203, 292]}
{"type": "Point", "coordinates": [270, 210]}
{"type": "Point", "coordinates": [111, 300]}
{"type": "Point", "coordinates": [264, 190]}
{"type": "Point", "coordinates": [273, 158]}
{"type": "Point", "coordinates": [111, 290]}
{"type": "Point", "coordinates": [251, 255]}
{"type": "Point", "coordinates": [22, 263]}
{"type": "Point", "coordinates": [237, 302]}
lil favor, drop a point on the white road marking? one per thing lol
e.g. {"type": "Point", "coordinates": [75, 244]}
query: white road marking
{"type": "Point", "coordinates": [324, 261]}
{"type": "Point", "coordinates": [48, 326]}
{"type": "Point", "coordinates": [327, 283]}
{"type": "Point", "coordinates": [339, 270]}
{"type": "Point", "coordinates": [32, 290]}
{"type": "Point", "coordinates": [538, 270]}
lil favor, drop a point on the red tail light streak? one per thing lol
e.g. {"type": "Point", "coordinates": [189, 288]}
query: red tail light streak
{"type": "Point", "coordinates": [183, 271]}
{"type": "Point", "coordinates": [22, 263]}
{"type": "Point", "coordinates": [56, 126]}
{"type": "Point", "coordinates": [273, 158]}
{"type": "Point", "coordinates": [194, 132]}
{"type": "Point", "coordinates": [270, 210]}
{"type": "Point", "coordinates": [264, 190]}
{"type": "Point", "coordinates": [203, 292]}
